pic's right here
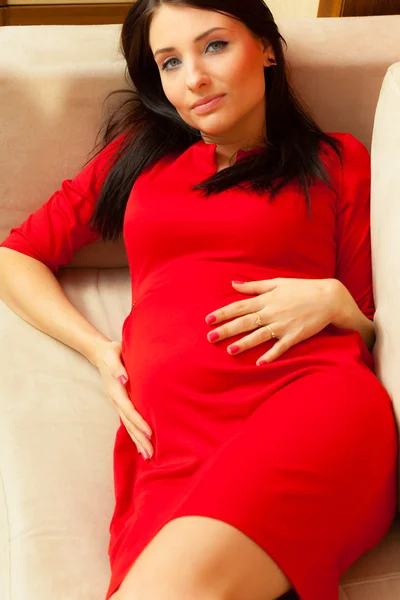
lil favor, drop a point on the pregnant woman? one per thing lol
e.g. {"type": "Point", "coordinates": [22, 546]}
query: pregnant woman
{"type": "Point", "coordinates": [256, 453]}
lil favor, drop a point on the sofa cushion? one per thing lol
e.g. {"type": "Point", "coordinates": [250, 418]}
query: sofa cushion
{"type": "Point", "coordinates": [57, 431]}
{"type": "Point", "coordinates": [376, 574]}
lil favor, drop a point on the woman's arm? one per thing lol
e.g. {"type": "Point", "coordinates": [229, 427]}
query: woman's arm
{"type": "Point", "coordinates": [347, 315]}
{"type": "Point", "coordinates": [352, 289]}
{"type": "Point", "coordinates": [31, 290]}
{"type": "Point", "coordinates": [33, 252]}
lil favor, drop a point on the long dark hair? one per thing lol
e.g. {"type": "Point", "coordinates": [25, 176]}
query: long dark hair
{"type": "Point", "coordinates": [152, 127]}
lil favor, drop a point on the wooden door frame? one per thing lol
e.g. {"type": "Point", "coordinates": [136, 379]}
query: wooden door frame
{"type": "Point", "coordinates": [330, 8]}
{"type": "Point", "coordinates": [61, 14]}
{"type": "Point", "coordinates": [350, 8]}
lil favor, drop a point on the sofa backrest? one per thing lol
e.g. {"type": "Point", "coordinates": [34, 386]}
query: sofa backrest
{"type": "Point", "coordinates": [54, 79]}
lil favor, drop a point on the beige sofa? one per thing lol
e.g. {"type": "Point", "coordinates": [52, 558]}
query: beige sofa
{"type": "Point", "coordinates": [56, 425]}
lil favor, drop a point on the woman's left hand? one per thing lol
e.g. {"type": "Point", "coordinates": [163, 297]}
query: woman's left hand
{"type": "Point", "coordinates": [294, 309]}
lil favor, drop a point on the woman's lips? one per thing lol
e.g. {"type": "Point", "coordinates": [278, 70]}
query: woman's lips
{"type": "Point", "coordinates": [204, 108]}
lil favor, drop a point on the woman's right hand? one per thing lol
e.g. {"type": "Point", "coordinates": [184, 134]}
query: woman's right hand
{"type": "Point", "coordinates": [109, 363]}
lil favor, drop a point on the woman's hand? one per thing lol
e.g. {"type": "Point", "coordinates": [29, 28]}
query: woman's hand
{"type": "Point", "coordinates": [109, 363]}
{"type": "Point", "coordinates": [295, 309]}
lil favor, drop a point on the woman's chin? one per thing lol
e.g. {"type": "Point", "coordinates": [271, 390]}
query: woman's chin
{"type": "Point", "coordinates": [212, 130]}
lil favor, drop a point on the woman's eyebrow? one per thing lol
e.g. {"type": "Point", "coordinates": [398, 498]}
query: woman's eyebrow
{"type": "Point", "coordinates": [199, 37]}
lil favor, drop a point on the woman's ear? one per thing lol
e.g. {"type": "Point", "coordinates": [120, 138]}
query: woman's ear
{"type": "Point", "coordinates": [269, 54]}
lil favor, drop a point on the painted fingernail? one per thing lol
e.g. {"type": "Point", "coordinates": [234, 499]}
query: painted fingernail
{"type": "Point", "coordinates": [147, 434]}
{"type": "Point", "coordinates": [261, 362]}
{"type": "Point", "coordinates": [233, 349]}
{"type": "Point", "coordinates": [210, 319]}
{"type": "Point", "coordinates": [238, 282]}
{"type": "Point", "coordinates": [213, 336]}
{"type": "Point", "coordinates": [122, 379]}
{"type": "Point", "coordinates": [149, 454]}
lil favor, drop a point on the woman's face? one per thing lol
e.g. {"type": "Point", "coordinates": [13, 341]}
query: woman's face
{"type": "Point", "coordinates": [228, 62]}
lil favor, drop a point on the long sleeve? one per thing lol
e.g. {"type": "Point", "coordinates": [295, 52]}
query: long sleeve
{"type": "Point", "coordinates": [60, 227]}
{"type": "Point", "coordinates": [353, 239]}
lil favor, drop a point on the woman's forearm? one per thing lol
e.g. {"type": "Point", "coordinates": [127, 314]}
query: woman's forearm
{"type": "Point", "coordinates": [347, 315]}
{"type": "Point", "coordinates": [31, 290]}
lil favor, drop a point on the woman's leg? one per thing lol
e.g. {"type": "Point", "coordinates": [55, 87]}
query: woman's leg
{"type": "Point", "coordinates": [200, 558]}
{"type": "Point", "coordinates": [306, 457]}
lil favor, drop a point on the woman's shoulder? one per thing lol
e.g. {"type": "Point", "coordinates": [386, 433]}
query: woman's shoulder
{"type": "Point", "coordinates": [350, 143]}
{"type": "Point", "coordinates": [354, 168]}
{"type": "Point", "coordinates": [354, 155]}
{"type": "Point", "coordinates": [112, 147]}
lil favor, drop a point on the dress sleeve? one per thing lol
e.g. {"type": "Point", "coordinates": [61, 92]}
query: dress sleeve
{"type": "Point", "coordinates": [353, 237]}
{"type": "Point", "coordinates": [60, 227]}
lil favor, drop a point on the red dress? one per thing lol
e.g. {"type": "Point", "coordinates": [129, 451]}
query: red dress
{"type": "Point", "coordinates": [299, 454]}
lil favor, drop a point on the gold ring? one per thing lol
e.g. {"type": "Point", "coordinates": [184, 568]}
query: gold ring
{"type": "Point", "coordinates": [258, 322]}
{"type": "Point", "coordinates": [271, 332]}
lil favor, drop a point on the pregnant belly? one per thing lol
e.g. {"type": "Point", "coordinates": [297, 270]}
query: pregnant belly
{"type": "Point", "coordinates": [168, 345]}
{"type": "Point", "coordinates": [169, 358]}
{"type": "Point", "coordinates": [181, 383]}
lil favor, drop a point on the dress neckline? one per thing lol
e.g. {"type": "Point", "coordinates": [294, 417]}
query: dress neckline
{"type": "Point", "coordinates": [209, 150]}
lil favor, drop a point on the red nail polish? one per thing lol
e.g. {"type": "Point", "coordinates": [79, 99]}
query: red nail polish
{"type": "Point", "coordinates": [261, 362]}
{"type": "Point", "coordinates": [234, 349]}
{"type": "Point", "coordinates": [122, 379]}
{"type": "Point", "coordinates": [211, 319]}
{"type": "Point", "coordinates": [213, 336]}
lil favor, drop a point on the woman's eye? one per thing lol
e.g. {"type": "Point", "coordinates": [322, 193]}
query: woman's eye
{"type": "Point", "coordinates": [166, 66]}
{"type": "Point", "coordinates": [217, 42]}
{"type": "Point", "coordinates": [166, 63]}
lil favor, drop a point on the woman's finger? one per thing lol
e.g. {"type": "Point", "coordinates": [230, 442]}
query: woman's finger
{"type": "Point", "coordinates": [127, 426]}
{"type": "Point", "coordinates": [255, 338]}
{"type": "Point", "coordinates": [119, 397]}
{"type": "Point", "coordinates": [135, 421]}
{"type": "Point", "coordinates": [279, 348]}
{"type": "Point", "coordinates": [111, 368]}
{"type": "Point", "coordinates": [235, 309]}
{"type": "Point", "coordinates": [133, 434]}
{"type": "Point", "coordinates": [125, 405]}
{"type": "Point", "coordinates": [239, 325]}
{"type": "Point", "coordinates": [257, 287]}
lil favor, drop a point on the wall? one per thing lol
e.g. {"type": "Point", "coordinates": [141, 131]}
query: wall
{"type": "Point", "coordinates": [282, 9]}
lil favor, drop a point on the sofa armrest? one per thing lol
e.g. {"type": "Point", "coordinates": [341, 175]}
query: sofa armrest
{"type": "Point", "coordinates": [385, 234]}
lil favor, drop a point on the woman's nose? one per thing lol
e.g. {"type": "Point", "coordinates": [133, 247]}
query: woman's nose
{"type": "Point", "coordinates": [195, 77]}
